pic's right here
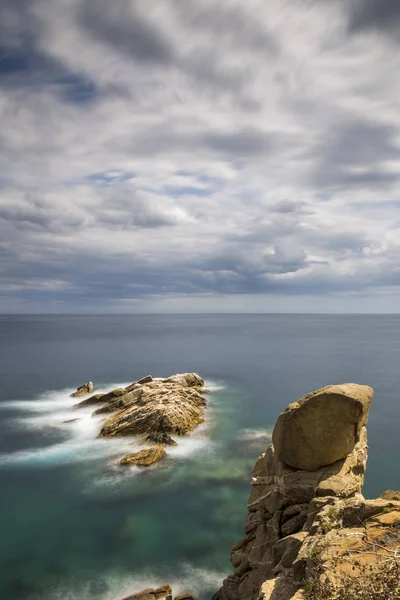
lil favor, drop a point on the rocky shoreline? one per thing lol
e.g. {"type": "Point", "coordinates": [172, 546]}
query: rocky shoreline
{"type": "Point", "coordinates": [154, 408]}
{"type": "Point", "coordinates": [310, 533]}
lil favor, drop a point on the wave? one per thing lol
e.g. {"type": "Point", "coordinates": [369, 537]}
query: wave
{"type": "Point", "coordinates": [199, 582]}
{"type": "Point", "coordinates": [54, 410]}
{"type": "Point", "coordinates": [214, 386]}
{"type": "Point", "coordinates": [248, 435]}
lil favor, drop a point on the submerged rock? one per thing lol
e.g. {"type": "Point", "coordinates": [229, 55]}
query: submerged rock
{"type": "Point", "coordinates": [144, 458]}
{"type": "Point", "coordinates": [162, 439]}
{"type": "Point", "coordinates": [83, 390]}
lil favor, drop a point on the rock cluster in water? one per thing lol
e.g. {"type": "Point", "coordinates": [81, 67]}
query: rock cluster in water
{"type": "Point", "coordinates": [162, 593]}
{"type": "Point", "coordinates": [306, 509]}
{"type": "Point", "coordinates": [152, 407]}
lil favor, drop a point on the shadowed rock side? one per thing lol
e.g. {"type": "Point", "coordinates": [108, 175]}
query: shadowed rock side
{"type": "Point", "coordinates": [306, 504]}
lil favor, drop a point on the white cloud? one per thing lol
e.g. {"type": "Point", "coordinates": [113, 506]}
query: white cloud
{"type": "Point", "coordinates": [178, 151]}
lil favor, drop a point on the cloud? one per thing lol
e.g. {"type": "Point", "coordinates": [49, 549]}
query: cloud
{"type": "Point", "coordinates": [176, 153]}
{"type": "Point", "coordinates": [375, 14]}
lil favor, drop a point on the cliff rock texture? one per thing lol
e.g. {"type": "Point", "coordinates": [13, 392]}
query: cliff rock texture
{"type": "Point", "coordinates": [309, 531]}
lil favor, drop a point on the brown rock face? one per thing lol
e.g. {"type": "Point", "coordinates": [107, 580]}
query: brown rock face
{"type": "Point", "coordinates": [144, 458]}
{"type": "Point", "coordinates": [288, 505]}
{"type": "Point", "coordinates": [323, 427]}
{"type": "Point", "coordinates": [164, 406]}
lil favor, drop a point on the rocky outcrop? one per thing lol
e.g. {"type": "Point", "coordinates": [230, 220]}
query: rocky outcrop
{"type": "Point", "coordinates": [83, 390]}
{"type": "Point", "coordinates": [172, 406]}
{"type": "Point", "coordinates": [306, 507]}
{"type": "Point", "coordinates": [152, 407]}
{"type": "Point", "coordinates": [144, 458]}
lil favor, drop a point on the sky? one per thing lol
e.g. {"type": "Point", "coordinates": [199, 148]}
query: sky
{"type": "Point", "coordinates": [187, 156]}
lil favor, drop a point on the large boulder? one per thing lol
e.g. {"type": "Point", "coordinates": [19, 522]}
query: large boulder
{"type": "Point", "coordinates": [144, 458]}
{"type": "Point", "coordinates": [323, 427]}
{"type": "Point", "coordinates": [83, 390]}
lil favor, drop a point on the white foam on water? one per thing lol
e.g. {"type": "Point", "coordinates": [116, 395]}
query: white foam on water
{"type": "Point", "coordinates": [248, 435]}
{"type": "Point", "coordinates": [197, 581]}
{"type": "Point", "coordinates": [214, 386]}
{"type": "Point", "coordinates": [52, 409]}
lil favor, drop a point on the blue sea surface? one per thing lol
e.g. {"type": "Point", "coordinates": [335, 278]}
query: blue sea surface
{"type": "Point", "coordinates": [76, 526]}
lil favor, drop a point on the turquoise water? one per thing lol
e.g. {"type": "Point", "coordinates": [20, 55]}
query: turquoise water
{"type": "Point", "coordinates": [77, 526]}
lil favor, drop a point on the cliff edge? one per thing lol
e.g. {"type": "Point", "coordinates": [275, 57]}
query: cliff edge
{"type": "Point", "coordinates": [309, 531]}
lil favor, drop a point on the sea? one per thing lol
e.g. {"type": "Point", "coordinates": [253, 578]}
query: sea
{"type": "Point", "coordinates": [75, 525]}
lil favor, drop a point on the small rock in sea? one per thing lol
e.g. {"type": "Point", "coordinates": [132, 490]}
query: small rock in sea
{"type": "Point", "coordinates": [144, 458]}
{"type": "Point", "coordinates": [83, 390]}
{"type": "Point", "coordinates": [184, 597]}
{"type": "Point", "coordinates": [162, 439]}
{"type": "Point", "coordinates": [162, 593]}
{"type": "Point", "coordinates": [71, 421]}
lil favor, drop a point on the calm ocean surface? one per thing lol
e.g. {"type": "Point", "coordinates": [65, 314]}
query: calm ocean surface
{"type": "Point", "coordinates": [75, 526]}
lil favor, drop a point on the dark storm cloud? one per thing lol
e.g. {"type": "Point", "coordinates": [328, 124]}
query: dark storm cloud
{"type": "Point", "coordinates": [375, 14]}
{"type": "Point", "coordinates": [352, 154]}
{"type": "Point", "coordinates": [24, 65]}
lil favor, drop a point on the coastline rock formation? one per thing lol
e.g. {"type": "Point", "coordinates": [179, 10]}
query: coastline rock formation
{"type": "Point", "coordinates": [155, 408]}
{"type": "Point", "coordinates": [83, 390]}
{"type": "Point", "coordinates": [308, 527]}
{"type": "Point", "coordinates": [172, 406]}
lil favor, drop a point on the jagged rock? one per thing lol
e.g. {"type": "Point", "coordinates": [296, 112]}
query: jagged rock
{"type": "Point", "coordinates": [165, 406]}
{"type": "Point", "coordinates": [83, 390]}
{"type": "Point", "coordinates": [101, 398]}
{"type": "Point", "coordinates": [186, 380]}
{"type": "Point", "coordinates": [144, 458]}
{"type": "Point", "coordinates": [323, 427]}
{"type": "Point", "coordinates": [161, 439]}
{"type": "Point", "coordinates": [162, 593]}
{"type": "Point", "coordinates": [390, 495]}
{"type": "Point", "coordinates": [119, 401]}
{"type": "Point", "coordinates": [139, 382]}
{"type": "Point", "coordinates": [290, 508]}
{"type": "Point", "coordinates": [184, 597]}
